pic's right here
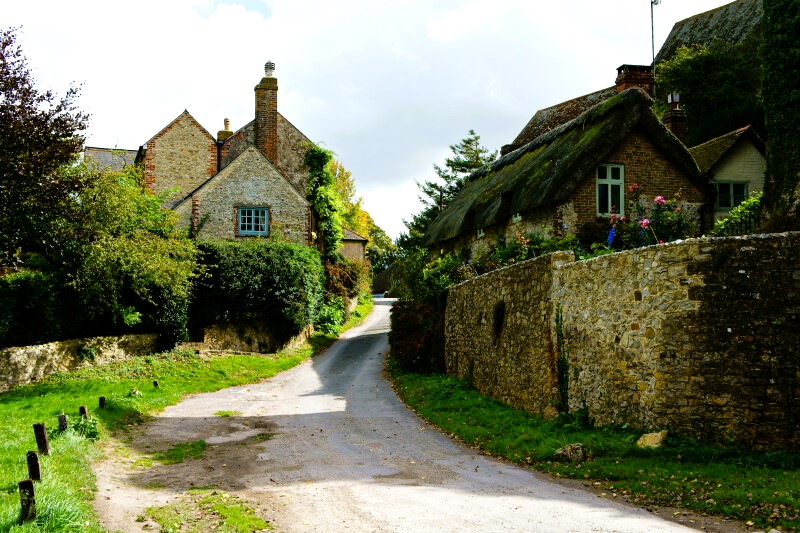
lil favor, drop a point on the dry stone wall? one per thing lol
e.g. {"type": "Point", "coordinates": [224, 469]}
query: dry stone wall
{"type": "Point", "coordinates": [699, 336]}
{"type": "Point", "coordinates": [26, 364]}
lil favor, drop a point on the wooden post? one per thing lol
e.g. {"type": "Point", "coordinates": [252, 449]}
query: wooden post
{"type": "Point", "coordinates": [63, 423]}
{"type": "Point", "coordinates": [42, 443]}
{"type": "Point", "coordinates": [34, 471]}
{"type": "Point", "coordinates": [27, 500]}
{"type": "Point", "coordinates": [155, 383]}
{"type": "Point", "coordinates": [83, 412]}
{"type": "Point", "coordinates": [102, 402]}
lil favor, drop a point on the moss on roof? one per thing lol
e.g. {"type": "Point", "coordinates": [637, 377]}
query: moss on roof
{"type": "Point", "coordinates": [734, 22]}
{"type": "Point", "coordinates": [547, 170]}
{"type": "Point", "coordinates": [709, 153]}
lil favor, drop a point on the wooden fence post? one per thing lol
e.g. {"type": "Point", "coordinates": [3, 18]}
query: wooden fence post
{"type": "Point", "coordinates": [63, 423]}
{"type": "Point", "coordinates": [27, 500]}
{"type": "Point", "coordinates": [42, 443]}
{"type": "Point", "coordinates": [155, 383]}
{"type": "Point", "coordinates": [83, 412]}
{"type": "Point", "coordinates": [102, 402]}
{"type": "Point", "coordinates": [34, 470]}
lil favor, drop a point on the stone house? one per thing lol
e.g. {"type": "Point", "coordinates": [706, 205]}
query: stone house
{"type": "Point", "coordinates": [354, 246]}
{"type": "Point", "coordinates": [735, 165]}
{"type": "Point", "coordinates": [244, 184]}
{"type": "Point", "coordinates": [572, 174]}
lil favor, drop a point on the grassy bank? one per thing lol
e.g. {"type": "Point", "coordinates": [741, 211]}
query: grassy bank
{"type": "Point", "coordinates": [65, 493]}
{"type": "Point", "coordinates": [762, 489]}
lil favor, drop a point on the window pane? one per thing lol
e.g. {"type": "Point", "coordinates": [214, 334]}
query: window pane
{"type": "Point", "coordinates": [616, 173]}
{"type": "Point", "coordinates": [602, 198]}
{"type": "Point", "coordinates": [739, 193]}
{"type": "Point", "coordinates": [616, 199]}
{"type": "Point", "coordinates": [724, 194]}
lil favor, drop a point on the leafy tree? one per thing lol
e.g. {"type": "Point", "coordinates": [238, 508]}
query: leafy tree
{"type": "Point", "coordinates": [468, 156]}
{"type": "Point", "coordinates": [781, 57]}
{"type": "Point", "coordinates": [719, 85]}
{"type": "Point", "coordinates": [40, 135]}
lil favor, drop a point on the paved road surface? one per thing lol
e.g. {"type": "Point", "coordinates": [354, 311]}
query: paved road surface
{"type": "Point", "coordinates": [346, 455]}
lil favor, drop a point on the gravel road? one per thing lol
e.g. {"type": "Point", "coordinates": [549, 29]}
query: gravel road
{"type": "Point", "coordinates": [328, 447]}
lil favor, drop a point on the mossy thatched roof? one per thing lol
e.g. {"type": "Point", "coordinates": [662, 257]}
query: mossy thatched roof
{"type": "Point", "coordinates": [734, 22]}
{"type": "Point", "coordinates": [547, 170]}
{"type": "Point", "coordinates": [551, 117]}
{"type": "Point", "coordinates": [711, 152]}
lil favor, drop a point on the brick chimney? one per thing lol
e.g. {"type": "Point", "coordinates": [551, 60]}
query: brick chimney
{"type": "Point", "coordinates": [266, 124]}
{"type": "Point", "coordinates": [635, 76]}
{"type": "Point", "coordinates": [675, 118]}
{"type": "Point", "coordinates": [225, 132]}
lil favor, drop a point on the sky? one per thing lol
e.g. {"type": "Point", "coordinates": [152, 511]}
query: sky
{"type": "Point", "coordinates": [388, 86]}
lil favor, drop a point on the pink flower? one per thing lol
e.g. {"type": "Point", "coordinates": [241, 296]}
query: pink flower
{"type": "Point", "coordinates": [660, 200]}
{"type": "Point", "coordinates": [644, 223]}
{"type": "Point", "coordinates": [677, 209]}
{"type": "Point", "coordinates": [660, 241]}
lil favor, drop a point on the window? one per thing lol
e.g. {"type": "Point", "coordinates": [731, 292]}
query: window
{"type": "Point", "coordinates": [610, 190]}
{"type": "Point", "coordinates": [254, 221]}
{"type": "Point", "coordinates": [730, 194]}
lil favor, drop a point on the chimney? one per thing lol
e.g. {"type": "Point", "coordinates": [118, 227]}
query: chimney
{"type": "Point", "coordinates": [266, 124]}
{"type": "Point", "coordinates": [675, 118]}
{"type": "Point", "coordinates": [225, 132]}
{"type": "Point", "coordinates": [635, 76]}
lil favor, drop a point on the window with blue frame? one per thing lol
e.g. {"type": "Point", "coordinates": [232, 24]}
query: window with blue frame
{"type": "Point", "coordinates": [254, 221]}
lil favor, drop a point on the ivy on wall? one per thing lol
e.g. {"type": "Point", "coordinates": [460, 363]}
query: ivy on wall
{"type": "Point", "coordinates": [324, 199]}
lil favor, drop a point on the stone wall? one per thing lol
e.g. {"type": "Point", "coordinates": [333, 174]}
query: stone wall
{"type": "Point", "coordinates": [250, 181]}
{"type": "Point", "coordinates": [698, 336]}
{"type": "Point", "coordinates": [26, 364]}
{"type": "Point", "coordinates": [180, 157]}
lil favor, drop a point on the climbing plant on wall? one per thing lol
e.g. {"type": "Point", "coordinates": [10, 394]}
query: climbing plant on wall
{"type": "Point", "coordinates": [324, 199]}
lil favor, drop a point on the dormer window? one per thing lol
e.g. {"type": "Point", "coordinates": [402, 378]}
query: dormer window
{"type": "Point", "coordinates": [610, 190]}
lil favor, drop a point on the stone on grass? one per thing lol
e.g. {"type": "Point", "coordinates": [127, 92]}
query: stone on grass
{"type": "Point", "coordinates": [652, 440]}
{"type": "Point", "coordinates": [573, 453]}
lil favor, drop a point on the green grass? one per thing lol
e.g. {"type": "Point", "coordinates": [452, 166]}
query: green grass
{"type": "Point", "coordinates": [206, 510]}
{"type": "Point", "coordinates": [64, 496]}
{"type": "Point", "coordinates": [226, 414]}
{"type": "Point", "coordinates": [181, 451]}
{"type": "Point", "coordinates": [762, 487]}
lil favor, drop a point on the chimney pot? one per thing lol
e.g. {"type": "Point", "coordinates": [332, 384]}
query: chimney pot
{"type": "Point", "coordinates": [227, 123]}
{"type": "Point", "coordinates": [269, 69]}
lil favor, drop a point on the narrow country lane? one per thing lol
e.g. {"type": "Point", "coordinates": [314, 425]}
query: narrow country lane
{"type": "Point", "coordinates": [328, 447]}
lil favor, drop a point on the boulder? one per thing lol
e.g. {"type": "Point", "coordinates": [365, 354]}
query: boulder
{"type": "Point", "coordinates": [652, 440]}
{"type": "Point", "coordinates": [573, 453]}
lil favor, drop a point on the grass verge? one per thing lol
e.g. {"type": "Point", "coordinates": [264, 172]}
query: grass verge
{"type": "Point", "coordinates": [64, 496]}
{"type": "Point", "coordinates": [759, 488]}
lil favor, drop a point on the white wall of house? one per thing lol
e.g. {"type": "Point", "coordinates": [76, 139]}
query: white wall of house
{"type": "Point", "coordinates": [742, 164]}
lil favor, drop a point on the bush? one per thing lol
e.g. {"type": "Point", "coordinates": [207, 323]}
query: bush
{"type": "Point", "coordinates": [277, 282]}
{"type": "Point", "coordinates": [347, 278]}
{"type": "Point", "coordinates": [417, 336]}
{"type": "Point", "coordinates": [30, 309]}
{"type": "Point", "coordinates": [742, 219]}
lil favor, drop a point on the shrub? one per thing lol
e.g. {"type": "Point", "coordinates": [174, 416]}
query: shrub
{"type": "Point", "coordinates": [277, 282]}
{"type": "Point", "coordinates": [417, 336]}
{"type": "Point", "coordinates": [30, 310]}
{"type": "Point", "coordinates": [741, 219]}
{"type": "Point", "coordinates": [649, 223]}
{"type": "Point", "coordinates": [331, 316]}
{"type": "Point", "coordinates": [347, 278]}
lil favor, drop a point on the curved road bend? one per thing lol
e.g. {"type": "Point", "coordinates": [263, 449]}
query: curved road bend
{"type": "Point", "coordinates": [346, 455]}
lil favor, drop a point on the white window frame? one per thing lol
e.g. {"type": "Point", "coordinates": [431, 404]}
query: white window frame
{"type": "Point", "coordinates": [253, 221]}
{"type": "Point", "coordinates": [604, 178]}
{"type": "Point", "coordinates": [730, 196]}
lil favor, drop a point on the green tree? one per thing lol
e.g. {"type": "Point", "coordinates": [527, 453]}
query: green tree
{"type": "Point", "coordinates": [40, 135]}
{"type": "Point", "coordinates": [719, 87]}
{"type": "Point", "coordinates": [468, 156]}
{"type": "Point", "coordinates": [781, 57]}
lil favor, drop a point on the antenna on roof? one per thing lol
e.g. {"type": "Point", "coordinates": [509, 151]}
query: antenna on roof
{"type": "Point", "coordinates": [653, 37]}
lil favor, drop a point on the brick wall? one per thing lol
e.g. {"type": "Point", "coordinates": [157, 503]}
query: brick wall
{"type": "Point", "coordinates": [181, 156]}
{"type": "Point", "coordinates": [698, 336]}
